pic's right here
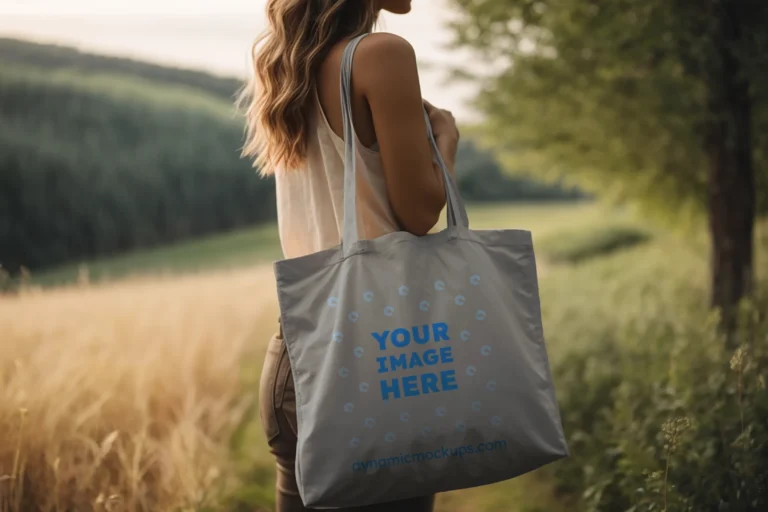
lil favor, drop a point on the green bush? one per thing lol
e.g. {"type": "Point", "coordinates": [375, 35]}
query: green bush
{"type": "Point", "coordinates": [481, 178]}
{"type": "Point", "coordinates": [574, 246]}
{"type": "Point", "coordinates": [660, 412]}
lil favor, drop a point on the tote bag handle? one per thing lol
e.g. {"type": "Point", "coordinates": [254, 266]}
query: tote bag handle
{"type": "Point", "coordinates": [457, 213]}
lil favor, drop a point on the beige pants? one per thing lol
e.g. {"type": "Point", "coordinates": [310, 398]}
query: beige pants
{"type": "Point", "coordinates": [277, 402]}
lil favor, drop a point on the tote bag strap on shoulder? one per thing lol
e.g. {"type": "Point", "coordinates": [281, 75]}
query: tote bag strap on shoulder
{"type": "Point", "coordinates": [457, 214]}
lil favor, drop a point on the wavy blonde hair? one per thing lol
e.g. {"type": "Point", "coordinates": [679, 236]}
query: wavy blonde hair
{"type": "Point", "coordinates": [286, 58]}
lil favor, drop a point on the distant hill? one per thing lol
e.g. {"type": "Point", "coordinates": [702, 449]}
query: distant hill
{"type": "Point", "coordinates": [51, 57]}
{"type": "Point", "coordinates": [101, 155]}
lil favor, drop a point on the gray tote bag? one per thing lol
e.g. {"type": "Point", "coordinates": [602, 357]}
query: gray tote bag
{"type": "Point", "coordinates": [419, 362]}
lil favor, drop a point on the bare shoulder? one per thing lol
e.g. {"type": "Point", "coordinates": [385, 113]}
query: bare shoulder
{"type": "Point", "coordinates": [384, 58]}
{"type": "Point", "coordinates": [385, 45]}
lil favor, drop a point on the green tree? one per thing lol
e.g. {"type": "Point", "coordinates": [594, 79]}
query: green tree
{"type": "Point", "coordinates": [654, 100]}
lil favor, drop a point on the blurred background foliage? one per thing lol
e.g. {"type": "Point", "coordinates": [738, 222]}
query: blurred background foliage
{"type": "Point", "coordinates": [661, 103]}
{"type": "Point", "coordinates": [618, 96]}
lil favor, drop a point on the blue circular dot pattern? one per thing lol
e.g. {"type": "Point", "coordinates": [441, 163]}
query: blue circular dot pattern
{"type": "Point", "coordinates": [371, 422]}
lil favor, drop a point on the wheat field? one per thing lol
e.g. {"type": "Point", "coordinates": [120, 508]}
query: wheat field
{"type": "Point", "coordinates": [123, 396]}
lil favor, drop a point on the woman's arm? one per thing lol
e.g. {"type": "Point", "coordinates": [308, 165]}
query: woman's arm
{"type": "Point", "coordinates": [386, 73]}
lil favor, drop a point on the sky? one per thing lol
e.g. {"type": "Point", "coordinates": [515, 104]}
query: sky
{"type": "Point", "coordinates": [215, 35]}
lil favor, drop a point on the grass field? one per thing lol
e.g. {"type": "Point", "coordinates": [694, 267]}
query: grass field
{"type": "Point", "coordinates": [236, 249]}
{"type": "Point", "coordinates": [251, 246]}
{"type": "Point", "coordinates": [139, 394]}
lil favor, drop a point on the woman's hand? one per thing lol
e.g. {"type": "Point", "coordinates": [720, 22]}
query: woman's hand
{"type": "Point", "coordinates": [442, 121]}
{"type": "Point", "coordinates": [446, 133]}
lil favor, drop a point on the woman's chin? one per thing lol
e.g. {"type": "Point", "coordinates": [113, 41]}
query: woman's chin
{"type": "Point", "coordinates": [397, 6]}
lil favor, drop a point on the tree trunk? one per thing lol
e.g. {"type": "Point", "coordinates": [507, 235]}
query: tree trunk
{"type": "Point", "coordinates": [731, 180]}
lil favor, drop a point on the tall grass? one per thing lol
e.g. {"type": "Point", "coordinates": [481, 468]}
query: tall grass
{"type": "Point", "coordinates": [124, 397]}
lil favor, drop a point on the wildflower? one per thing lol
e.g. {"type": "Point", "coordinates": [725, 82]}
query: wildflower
{"type": "Point", "coordinates": [739, 359]}
{"type": "Point", "coordinates": [672, 429]}
{"type": "Point", "coordinates": [655, 475]}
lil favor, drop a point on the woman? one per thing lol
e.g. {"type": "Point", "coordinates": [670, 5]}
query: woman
{"type": "Point", "coordinates": [295, 132]}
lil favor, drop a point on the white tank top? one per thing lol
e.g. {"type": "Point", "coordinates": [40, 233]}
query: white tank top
{"type": "Point", "coordinates": [310, 201]}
